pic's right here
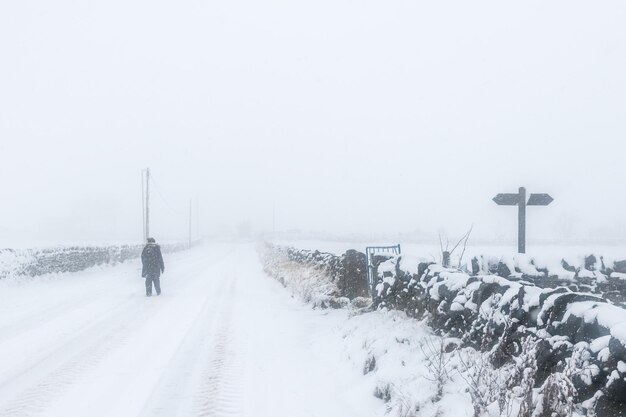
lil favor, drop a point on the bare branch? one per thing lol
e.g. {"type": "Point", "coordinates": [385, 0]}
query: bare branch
{"type": "Point", "coordinates": [467, 235]}
{"type": "Point", "coordinates": [440, 243]}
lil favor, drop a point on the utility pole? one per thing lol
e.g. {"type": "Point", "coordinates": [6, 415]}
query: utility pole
{"type": "Point", "coordinates": [143, 207]}
{"type": "Point", "coordinates": [190, 223]}
{"type": "Point", "coordinates": [197, 218]}
{"type": "Point", "coordinates": [274, 217]}
{"type": "Point", "coordinates": [147, 203]}
{"type": "Point", "coordinates": [521, 221]}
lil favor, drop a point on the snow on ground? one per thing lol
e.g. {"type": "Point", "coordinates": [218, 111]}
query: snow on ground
{"type": "Point", "coordinates": [545, 255]}
{"type": "Point", "coordinates": [393, 351]}
{"type": "Point", "coordinates": [223, 340]}
{"type": "Point", "coordinates": [617, 251]}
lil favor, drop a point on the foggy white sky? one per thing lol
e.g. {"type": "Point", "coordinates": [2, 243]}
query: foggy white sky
{"type": "Point", "coordinates": [354, 116]}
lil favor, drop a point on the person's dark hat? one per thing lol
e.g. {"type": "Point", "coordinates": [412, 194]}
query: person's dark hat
{"type": "Point", "coordinates": [150, 240]}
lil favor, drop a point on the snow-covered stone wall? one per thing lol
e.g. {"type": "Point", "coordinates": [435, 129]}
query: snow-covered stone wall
{"type": "Point", "coordinates": [327, 279]}
{"type": "Point", "coordinates": [35, 262]}
{"type": "Point", "coordinates": [488, 310]}
{"type": "Point", "coordinates": [593, 273]}
{"type": "Point", "coordinates": [570, 311]}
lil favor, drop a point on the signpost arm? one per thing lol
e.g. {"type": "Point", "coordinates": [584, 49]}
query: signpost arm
{"type": "Point", "coordinates": [521, 202]}
{"type": "Point", "coordinates": [521, 232]}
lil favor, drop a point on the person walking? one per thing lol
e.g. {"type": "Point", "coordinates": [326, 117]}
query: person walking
{"type": "Point", "coordinates": [153, 266]}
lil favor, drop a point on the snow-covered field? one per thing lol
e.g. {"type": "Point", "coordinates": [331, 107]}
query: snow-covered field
{"type": "Point", "coordinates": [223, 340]}
{"type": "Point", "coordinates": [549, 255]}
{"type": "Point", "coordinates": [427, 249]}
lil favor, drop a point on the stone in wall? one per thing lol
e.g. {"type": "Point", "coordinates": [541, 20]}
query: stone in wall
{"type": "Point", "coordinates": [352, 275]}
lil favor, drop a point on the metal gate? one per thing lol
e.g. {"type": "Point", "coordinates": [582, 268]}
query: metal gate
{"type": "Point", "coordinates": [371, 252]}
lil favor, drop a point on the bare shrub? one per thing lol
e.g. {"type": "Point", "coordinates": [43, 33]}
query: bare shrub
{"type": "Point", "coordinates": [405, 406]}
{"type": "Point", "coordinates": [446, 252]}
{"type": "Point", "coordinates": [523, 376]}
{"type": "Point", "coordinates": [311, 284]}
{"type": "Point", "coordinates": [370, 365]}
{"type": "Point", "coordinates": [383, 392]}
{"type": "Point", "coordinates": [485, 384]}
{"type": "Point", "coordinates": [437, 363]}
{"type": "Point", "coordinates": [509, 389]}
{"type": "Point", "coordinates": [556, 398]}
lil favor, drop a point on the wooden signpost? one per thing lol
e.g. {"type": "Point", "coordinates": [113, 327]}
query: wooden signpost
{"type": "Point", "coordinates": [521, 202]}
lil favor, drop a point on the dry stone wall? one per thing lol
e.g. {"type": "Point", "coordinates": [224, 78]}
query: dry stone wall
{"type": "Point", "coordinates": [36, 262]}
{"type": "Point", "coordinates": [492, 312]}
{"type": "Point", "coordinates": [592, 274]}
{"type": "Point", "coordinates": [347, 272]}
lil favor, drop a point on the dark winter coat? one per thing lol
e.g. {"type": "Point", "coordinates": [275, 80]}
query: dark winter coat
{"type": "Point", "coordinates": [152, 261]}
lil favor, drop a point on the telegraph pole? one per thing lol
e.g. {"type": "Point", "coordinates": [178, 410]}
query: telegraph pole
{"type": "Point", "coordinates": [190, 223]}
{"type": "Point", "coordinates": [521, 222]}
{"type": "Point", "coordinates": [147, 203]}
{"type": "Point", "coordinates": [143, 207]}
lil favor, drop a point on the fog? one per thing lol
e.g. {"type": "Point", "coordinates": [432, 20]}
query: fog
{"type": "Point", "coordinates": [339, 117]}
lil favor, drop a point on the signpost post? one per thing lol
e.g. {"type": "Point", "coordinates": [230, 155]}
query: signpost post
{"type": "Point", "coordinates": [521, 202]}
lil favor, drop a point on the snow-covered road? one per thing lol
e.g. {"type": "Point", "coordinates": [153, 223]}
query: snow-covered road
{"type": "Point", "coordinates": [223, 340]}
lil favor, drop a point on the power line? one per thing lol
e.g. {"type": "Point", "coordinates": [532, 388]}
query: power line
{"type": "Point", "coordinates": [146, 180]}
{"type": "Point", "coordinates": [165, 201]}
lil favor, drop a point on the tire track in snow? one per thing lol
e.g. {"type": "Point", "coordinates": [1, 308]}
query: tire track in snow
{"type": "Point", "coordinates": [34, 400]}
{"type": "Point", "coordinates": [33, 321]}
{"type": "Point", "coordinates": [169, 395]}
{"type": "Point", "coordinates": [83, 331]}
{"type": "Point", "coordinates": [60, 310]}
{"type": "Point", "coordinates": [75, 359]}
{"type": "Point", "coordinates": [220, 393]}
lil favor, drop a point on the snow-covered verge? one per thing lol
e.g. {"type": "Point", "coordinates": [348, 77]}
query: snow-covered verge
{"type": "Point", "coordinates": [390, 349]}
{"type": "Point", "coordinates": [410, 368]}
{"type": "Point", "coordinates": [323, 279]}
{"type": "Point", "coordinates": [35, 262]}
{"type": "Point", "coordinates": [445, 340]}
